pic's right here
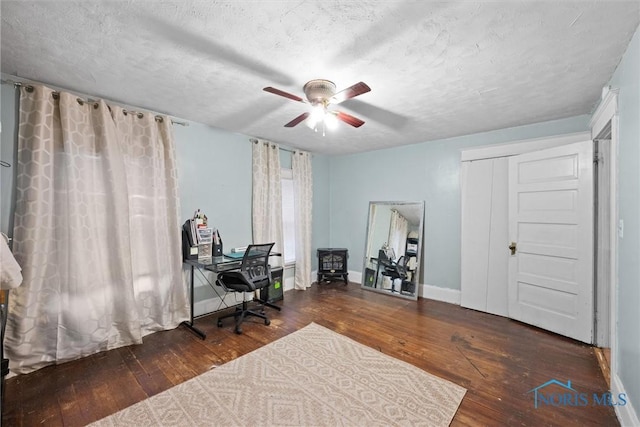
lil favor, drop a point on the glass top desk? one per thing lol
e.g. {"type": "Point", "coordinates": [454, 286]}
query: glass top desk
{"type": "Point", "coordinates": [217, 264]}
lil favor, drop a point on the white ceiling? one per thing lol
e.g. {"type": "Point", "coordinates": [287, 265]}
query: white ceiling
{"type": "Point", "coordinates": [436, 69]}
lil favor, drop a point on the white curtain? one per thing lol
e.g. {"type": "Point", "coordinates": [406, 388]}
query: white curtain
{"type": "Point", "coordinates": [370, 231]}
{"type": "Point", "coordinates": [267, 197]}
{"type": "Point", "coordinates": [96, 230]}
{"type": "Point", "coordinates": [398, 230]}
{"type": "Point", "coordinates": [303, 196]}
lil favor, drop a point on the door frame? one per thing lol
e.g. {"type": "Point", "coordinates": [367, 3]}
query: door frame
{"type": "Point", "coordinates": [520, 146]}
{"type": "Point", "coordinates": [606, 115]}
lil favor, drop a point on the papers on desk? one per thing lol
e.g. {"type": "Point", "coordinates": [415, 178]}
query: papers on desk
{"type": "Point", "coordinates": [216, 237]}
{"type": "Point", "coordinates": [200, 235]}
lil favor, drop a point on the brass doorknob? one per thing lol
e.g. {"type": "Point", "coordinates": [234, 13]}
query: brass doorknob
{"type": "Point", "coordinates": [512, 246]}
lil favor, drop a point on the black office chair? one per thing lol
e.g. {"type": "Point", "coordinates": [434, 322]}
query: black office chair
{"type": "Point", "coordinates": [254, 274]}
{"type": "Point", "coordinates": [395, 270]}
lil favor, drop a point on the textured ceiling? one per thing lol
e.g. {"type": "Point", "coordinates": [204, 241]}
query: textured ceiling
{"type": "Point", "coordinates": [436, 69]}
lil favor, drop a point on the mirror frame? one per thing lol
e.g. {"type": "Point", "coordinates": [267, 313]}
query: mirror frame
{"type": "Point", "coordinates": [417, 271]}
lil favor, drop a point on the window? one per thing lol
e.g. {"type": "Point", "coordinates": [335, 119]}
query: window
{"type": "Point", "coordinates": [288, 217]}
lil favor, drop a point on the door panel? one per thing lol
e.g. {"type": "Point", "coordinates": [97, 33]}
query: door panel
{"type": "Point", "coordinates": [551, 221]}
{"type": "Point", "coordinates": [557, 169]}
{"type": "Point", "coordinates": [563, 268]}
{"type": "Point", "coordinates": [477, 178]}
{"type": "Point", "coordinates": [551, 202]}
{"type": "Point", "coordinates": [498, 274]}
{"type": "Point", "coordinates": [548, 239]}
{"type": "Point", "coordinates": [485, 215]}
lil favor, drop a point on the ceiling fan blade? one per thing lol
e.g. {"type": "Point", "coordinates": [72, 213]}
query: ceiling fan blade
{"type": "Point", "coordinates": [349, 119]}
{"type": "Point", "coordinates": [350, 92]}
{"type": "Point", "coordinates": [282, 93]}
{"type": "Point", "coordinates": [297, 120]}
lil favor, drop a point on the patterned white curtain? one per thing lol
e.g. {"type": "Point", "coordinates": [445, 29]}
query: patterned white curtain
{"type": "Point", "coordinates": [267, 196]}
{"type": "Point", "coordinates": [303, 196]}
{"type": "Point", "coordinates": [96, 230]}
{"type": "Point", "coordinates": [398, 230]}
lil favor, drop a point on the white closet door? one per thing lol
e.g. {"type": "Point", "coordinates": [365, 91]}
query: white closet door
{"type": "Point", "coordinates": [477, 179]}
{"type": "Point", "coordinates": [484, 261]}
{"type": "Point", "coordinates": [498, 274]}
{"type": "Point", "coordinates": [551, 222]}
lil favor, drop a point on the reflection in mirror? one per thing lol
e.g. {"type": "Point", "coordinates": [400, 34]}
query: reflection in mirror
{"type": "Point", "coordinates": [393, 248]}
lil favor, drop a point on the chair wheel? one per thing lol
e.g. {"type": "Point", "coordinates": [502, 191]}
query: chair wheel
{"type": "Point", "coordinates": [219, 323]}
{"type": "Point", "coordinates": [238, 331]}
{"type": "Point", "coordinates": [267, 322]}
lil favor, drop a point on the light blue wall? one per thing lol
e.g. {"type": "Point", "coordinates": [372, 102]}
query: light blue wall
{"type": "Point", "coordinates": [627, 79]}
{"type": "Point", "coordinates": [321, 220]}
{"type": "Point", "coordinates": [428, 171]}
{"type": "Point", "coordinates": [214, 175]}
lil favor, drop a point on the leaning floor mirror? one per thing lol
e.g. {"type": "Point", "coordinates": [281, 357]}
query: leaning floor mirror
{"type": "Point", "coordinates": [393, 248]}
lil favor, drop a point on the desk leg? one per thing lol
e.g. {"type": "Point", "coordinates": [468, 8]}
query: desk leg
{"type": "Point", "coordinates": [189, 323]}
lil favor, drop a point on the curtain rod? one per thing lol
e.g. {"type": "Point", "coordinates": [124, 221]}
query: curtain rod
{"type": "Point", "coordinates": [283, 149]}
{"type": "Point", "coordinates": [17, 84]}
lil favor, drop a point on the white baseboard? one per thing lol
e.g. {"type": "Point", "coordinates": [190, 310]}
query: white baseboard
{"type": "Point", "coordinates": [626, 414]}
{"type": "Point", "coordinates": [289, 278]}
{"type": "Point", "coordinates": [289, 283]}
{"type": "Point", "coordinates": [355, 277]}
{"type": "Point", "coordinates": [451, 296]}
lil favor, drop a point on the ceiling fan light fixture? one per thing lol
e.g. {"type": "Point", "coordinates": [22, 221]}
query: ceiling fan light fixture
{"type": "Point", "coordinates": [330, 120]}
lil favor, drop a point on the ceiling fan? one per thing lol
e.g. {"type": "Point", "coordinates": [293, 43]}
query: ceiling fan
{"type": "Point", "coordinates": [320, 94]}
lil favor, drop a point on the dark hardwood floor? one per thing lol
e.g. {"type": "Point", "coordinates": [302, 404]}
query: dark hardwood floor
{"type": "Point", "coordinates": [498, 360]}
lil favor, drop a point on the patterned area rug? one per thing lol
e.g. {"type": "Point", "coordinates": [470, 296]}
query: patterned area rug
{"type": "Point", "coordinates": [312, 377]}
